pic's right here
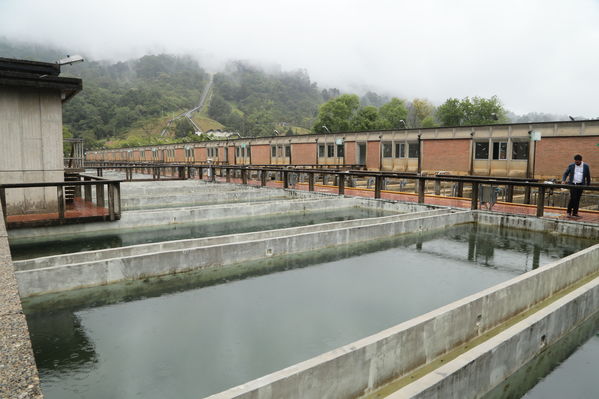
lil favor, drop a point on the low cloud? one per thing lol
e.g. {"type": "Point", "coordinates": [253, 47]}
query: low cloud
{"type": "Point", "coordinates": [535, 55]}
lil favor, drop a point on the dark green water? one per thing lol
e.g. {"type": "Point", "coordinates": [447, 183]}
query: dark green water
{"type": "Point", "coordinates": [187, 336]}
{"type": "Point", "coordinates": [575, 378]}
{"type": "Point", "coordinates": [34, 248]}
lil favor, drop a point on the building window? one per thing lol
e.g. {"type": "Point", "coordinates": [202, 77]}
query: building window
{"type": "Point", "coordinates": [273, 151]}
{"type": "Point", "coordinates": [330, 150]}
{"type": "Point", "coordinates": [321, 150]}
{"type": "Point", "coordinates": [481, 150]}
{"type": "Point", "coordinates": [413, 150]}
{"type": "Point", "coordinates": [142, 155]}
{"type": "Point", "coordinates": [340, 150]}
{"type": "Point", "coordinates": [400, 150]}
{"type": "Point", "coordinates": [520, 150]}
{"type": "Point", "coordinates": [288, 151]}
{"type": "Point", "coordinates": [387, 150]}
{"type": "Point", "coordinates": [248, 152]}
{"type": "Point", "coordinates": [500, 150]}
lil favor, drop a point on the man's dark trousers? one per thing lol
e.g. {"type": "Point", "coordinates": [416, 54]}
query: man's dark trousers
{"type": "Point", "coordinates": [575, 194]}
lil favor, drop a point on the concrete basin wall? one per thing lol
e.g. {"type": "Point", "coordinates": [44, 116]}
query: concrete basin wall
{"type": "Point", "coordinates": [197, 198]}
{"type": "Point", "coordinates": [488, 365]}
{"type": "Point", "coordinates": [362, 366]}
{"type": "Point", "coordinates": [576, 229]}
{"type": "Point", "coordinates": [61, 278]}
{"type": "Point", "coordinates": [157, 217]}
{"type": "Point", "coordinates": [88, 256]}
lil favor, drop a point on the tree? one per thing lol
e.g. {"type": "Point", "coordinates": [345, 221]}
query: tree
{"type": "Point", "coordinates": [475, 111]}
{"type": "Point", "coordinates": [183, 128]}
{"type": "Point", "coordinates": [366, 118]}
{"type": "Point", "coordinates": [419, 110]}
{"type": "Point", "coordinates": [337, 114]}
{"type": "Point", "coordinates": [450, 113]}
{"type": "Point", "coordinates": [392, 113]}
{"type": "Point", "coordinates": [219, 109]}
{"type": "Point", "coordinates": [371, 98]}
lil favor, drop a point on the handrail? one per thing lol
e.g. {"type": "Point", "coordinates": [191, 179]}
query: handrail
{"type": "Point", "coordinates": [184, 171]}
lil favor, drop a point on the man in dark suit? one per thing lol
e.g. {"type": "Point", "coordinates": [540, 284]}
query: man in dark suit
{"type": "Point", "coordinates": [577, 174]}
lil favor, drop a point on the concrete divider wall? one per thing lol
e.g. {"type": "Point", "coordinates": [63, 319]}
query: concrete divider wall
{"type": "Point", "coordinates": [156, 217]}
{"type": "Point", "coordinates": [485, 367]}
{"type": "Point", "coordinates": [364, 365]}
{"type": "Point", "coordinates": [138, 202]}
{"type": "Point", "coordinates": [60, 278]}
{"type": "Point", "coordinates": [577, 229]}
{"type": "Point", "coordinates": [88, 256]}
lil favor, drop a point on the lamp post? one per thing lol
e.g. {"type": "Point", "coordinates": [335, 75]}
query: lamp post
{"type": "Point", "coordinates": [326, 128]}
{"type": "Point", "coordinates": [405, 125]}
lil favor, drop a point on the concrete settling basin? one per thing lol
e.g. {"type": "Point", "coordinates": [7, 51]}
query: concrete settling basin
{"type": "Point", "coordinates": [192, 317]}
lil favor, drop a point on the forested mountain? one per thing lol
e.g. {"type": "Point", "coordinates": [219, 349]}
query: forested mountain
{"type": "Point", "coordinates": [118, 96]}
{"type": "Point", "coordinates": [249, 100]}
{"type": "Point", "coordinates": [129, 103]}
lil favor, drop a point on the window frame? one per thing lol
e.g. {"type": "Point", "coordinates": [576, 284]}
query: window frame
{"type": "Point", "coordinates": [526, 153]}
{"type": "Point", "coordinates": [400, 150]}
{"type": "Point", "coordinates": [498, 146]}
{"type": "Point", "coordinates": [412, 146]}
{"type": "Point", "coordinates": [476, 147]}
{"type": "Point", "coordinates": [330, 150]}
{"type": "Point", "coordinates": [387, 149]}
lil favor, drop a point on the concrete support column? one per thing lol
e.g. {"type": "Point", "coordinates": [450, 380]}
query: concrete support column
{"type": "Point", "coordinates": [474, 200]}
{"type": "Point", "coordinates": [421, 183]}
{"type": "Point", "coordinates": [378, 183]}
{"type": "Point", "coordinates": [437, 187]}
{"type": "Point", "coordinates": [540, 201]}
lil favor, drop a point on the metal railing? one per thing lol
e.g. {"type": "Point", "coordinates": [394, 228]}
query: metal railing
{"type": "Point", "coordinates": [530, 192]}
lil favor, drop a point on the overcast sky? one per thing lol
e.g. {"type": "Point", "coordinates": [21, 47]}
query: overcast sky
{"type": "Point", "coordinates": [535, 55]}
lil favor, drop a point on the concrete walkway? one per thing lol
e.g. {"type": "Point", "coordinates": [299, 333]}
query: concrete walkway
{"type": "Point", "coordinates": [18, 373]}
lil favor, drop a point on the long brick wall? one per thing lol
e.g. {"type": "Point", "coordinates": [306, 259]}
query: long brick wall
{"type": "Point", "coordinates": [260, 154]}
{"type": "Point", "coordinates": [554, 154]}
{"type": "Point", "coordinates": [373, 155]}
{"type": "Point", "coordinates": [448, 155]}
{"type": "Point", "coordinates": [304, 154]}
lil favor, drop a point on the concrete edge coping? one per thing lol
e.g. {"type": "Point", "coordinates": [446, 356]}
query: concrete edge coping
{"type": "Point", "coordinates": [128, 216]}
{"type": "Point", "coordinates": [539, 224]}
{"type": "Point", "coordinates": [447, 370]}
{"type": "Point", "coordinates": [111, 253]}
{"type": "Point", "coordinates": [249, 241]}
{"type": "Point", "coordinates": [364, 343]}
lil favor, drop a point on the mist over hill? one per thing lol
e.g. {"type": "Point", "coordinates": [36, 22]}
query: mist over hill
{"type": "Point", "coordinates": [140, 95]}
